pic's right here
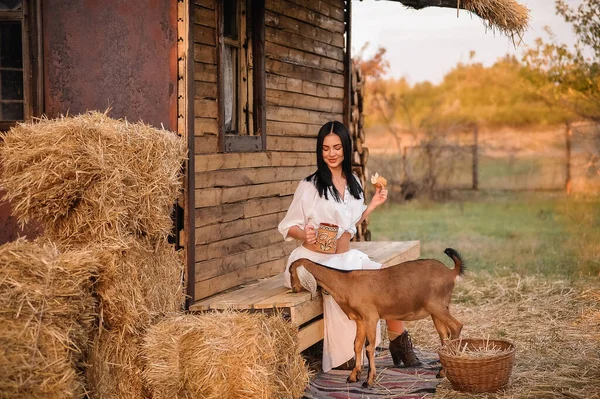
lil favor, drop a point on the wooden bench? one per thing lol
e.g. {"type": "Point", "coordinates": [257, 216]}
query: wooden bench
{"type": "Point", "coordinates": [304, 311]}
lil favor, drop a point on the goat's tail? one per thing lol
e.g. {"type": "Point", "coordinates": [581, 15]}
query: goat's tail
{"type": "Point", "coordinates": [459, 263]}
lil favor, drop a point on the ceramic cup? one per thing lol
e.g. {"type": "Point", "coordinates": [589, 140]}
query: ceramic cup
{"type": "Point", "coordinates": [326, 238]}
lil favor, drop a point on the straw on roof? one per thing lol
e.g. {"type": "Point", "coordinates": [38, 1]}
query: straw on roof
{"type": "Point", "coordinates": [89, 177]}
{"type": "Point", "coordinates": [47, 311]}
{"type": "Point", "coordinates": [507, 16]}
{"type": "Point", "coordinates": [224, 355]}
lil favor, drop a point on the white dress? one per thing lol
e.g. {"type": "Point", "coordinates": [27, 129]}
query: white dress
{"type": "Point", "coordinates": [308, 208]}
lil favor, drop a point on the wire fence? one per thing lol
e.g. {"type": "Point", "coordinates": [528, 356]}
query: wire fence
{"type": "Point", "coordinates": [562, 159]}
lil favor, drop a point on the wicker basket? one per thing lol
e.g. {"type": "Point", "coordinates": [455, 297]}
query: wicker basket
{"type": "Point", "coordinates": [480, 374]}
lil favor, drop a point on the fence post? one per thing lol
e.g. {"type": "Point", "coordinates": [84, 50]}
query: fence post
{"type": "Point", "coordinates": [568, 182]}
{"type": "Point", "coordinates": [475, 158]}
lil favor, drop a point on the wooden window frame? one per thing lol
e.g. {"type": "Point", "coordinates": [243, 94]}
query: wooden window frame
{"type": "Point", "coordinates": [31, 39]}
{"type": "Point", "coordinates": [254, 141]}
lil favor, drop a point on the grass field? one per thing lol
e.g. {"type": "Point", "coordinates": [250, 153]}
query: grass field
{"type": "Point", "coordinates": [533, 278]}
{"type": "Point", "coordinates": [502, 233]}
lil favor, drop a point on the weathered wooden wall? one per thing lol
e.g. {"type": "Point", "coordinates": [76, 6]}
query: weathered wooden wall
{"type": "Point", "coordinates": [241, 197]}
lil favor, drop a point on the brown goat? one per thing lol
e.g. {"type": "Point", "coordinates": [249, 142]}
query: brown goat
{"type": "Point", "coordinates": [408, 291]}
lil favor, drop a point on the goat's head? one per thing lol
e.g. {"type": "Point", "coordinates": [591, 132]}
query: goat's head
{"type": "Point", "coordinates": [300, 278]}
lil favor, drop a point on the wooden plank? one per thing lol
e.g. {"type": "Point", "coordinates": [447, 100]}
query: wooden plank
{"type": "Point", "coordinates": [205, 54]}
{"type": "Point", "coordinates": [305, 73]}
{"type": "Point", "coordinates": [296, 11]}
{"type": "Point", "coordinates": [205, 108]}
{"type": "Point", "coordinates": [238, 244]}
{"type": "Point", "coordinates": [322, 7]}
{"type": "Point", "coordinates": [294, 85]}
{"type": "Point", "coordinates": [303, 43]}
{"type": "Point", "coordinates": [244, 177]}
{"type": "Point", "coordinates": [205, 90]}
{"type": "Point", "coordinates": [205, 73]}
{"type": "Point", "coordinates": [229, 212]}
{"type": "Point", "coordinates": [275, 128]}
{"type": "Point", "coordinates": [212, 286]}
{"type": "Point", "coordinates": [262, 159]}
{"type": "Point", "coordinates": [217, 196]}
{"type": "Point", "coordinates": [205, 16]}
{"type": "Point", "coordinates": [302, 28]}
{"type": "Point", "coordinates": [296, 100]}
{"type": "Point", "coordinates": [206, 144]}
{"type": "Point", "coordinates": [218, 214]}
{"type": "Point", "coordinates": [206, 3]}
{"type": "Point", "coordinates": [203, 126]}
{"type": "Point", "coordinates": [205, 35]}
{"type": "Point", "coordinates": [231, 299]}
{"type": "Point", "coordinates": [289, 54]}
{"type": "Point", "coordinates": [263, 206]}
{"type": "Point", "coordinates": [310, 335]}
{"type": "Point", "coordinates": [306, 311]}
{"type": "Point", "coordinates": [221, 231]}
{"type": "Point", "coordinates": [286, 114]}
{"type": "Point", "coordinates": [283, 143]}
{"type": "Point", "coordinates": [216, 267]}
{"type": "Point", "coordinates": [389, 252]}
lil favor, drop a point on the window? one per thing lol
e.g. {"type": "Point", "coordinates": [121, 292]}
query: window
{"type": "Point", "coordinates": [17, 61]}
{"type": "Point", "coordinates": [241, 75]}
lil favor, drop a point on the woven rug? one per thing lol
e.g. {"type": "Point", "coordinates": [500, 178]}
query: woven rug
{"type": "Point", "coordinates": [390, 382]}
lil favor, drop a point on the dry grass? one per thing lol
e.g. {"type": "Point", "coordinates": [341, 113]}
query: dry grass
{"type": "Point", "coordinates": [507, 16]}
{"type": "Point", "coordinates": [46, 314]}
{"type": "Point", "coordinates": [115, 366]}
{"type": "Point", "coordinates": [554, 324]}
{"type": "Point", "coordinates": [139, 281]}
{"type": "Point", "coordinates": [224, 355]}
{"type": "Point", "coordinates": [90, 177]}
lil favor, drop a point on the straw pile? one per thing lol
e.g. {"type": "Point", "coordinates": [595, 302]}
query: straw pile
{"type": "Point", "coordinates": [106, 186]}
{"type": "Point", "coordinates": [224, 355]}
{"type": "Point", "coordinates": [139, 281]}
{"type": "Point", "coordinates": [46, 314]}
{"type": "Point", "coordinates": [555, 324]}
{"type": "Point", "coordinates": [507, 16]}
{"type": "Point", "coordinates": [90, 177]}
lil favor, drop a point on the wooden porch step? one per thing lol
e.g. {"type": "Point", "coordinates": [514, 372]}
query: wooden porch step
{"type": "Point", "coordinates": [270, 295]}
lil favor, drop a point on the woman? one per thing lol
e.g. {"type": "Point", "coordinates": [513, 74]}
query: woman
{"type": "Point", "coordinates": [333, 194]}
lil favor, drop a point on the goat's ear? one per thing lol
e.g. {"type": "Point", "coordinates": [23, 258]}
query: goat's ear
{"type": "Point", "coordinates": [307, 280]}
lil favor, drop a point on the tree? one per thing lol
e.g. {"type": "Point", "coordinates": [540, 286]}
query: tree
{"type": "Point", "coordinates": [570, 78]}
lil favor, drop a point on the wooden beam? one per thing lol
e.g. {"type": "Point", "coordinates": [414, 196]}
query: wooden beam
{"type": "Point", "coordinates": [259, 75]}
{"type": "Point", "coordinates": [348, 65]}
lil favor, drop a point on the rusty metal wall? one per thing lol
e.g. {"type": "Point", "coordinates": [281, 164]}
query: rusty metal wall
{"type": "Point", "coordinates": [98, 54]}
{"type": "Point", "coordinates": [120, 54]}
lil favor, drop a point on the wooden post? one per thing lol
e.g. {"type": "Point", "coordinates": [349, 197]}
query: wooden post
{"type": "Point", "coordinates": [475, 157]}
{"type": "Point", "coordinates": [348, 65]}
{"type": "Point", "coordinates": [568, 182]}
{"type": "Point", "coordinates": [259, 74]}
{"type": "Point", "coordinates": [189, 225]}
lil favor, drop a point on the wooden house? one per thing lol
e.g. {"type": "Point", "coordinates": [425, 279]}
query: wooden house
{"type": "Point", "coordinates": [247, 82]}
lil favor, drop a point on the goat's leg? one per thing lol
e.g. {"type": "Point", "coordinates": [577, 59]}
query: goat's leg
{"type": "Point", "coordinates": [359, 343]}
{"type": "Point", "coordinates": [371, 331]}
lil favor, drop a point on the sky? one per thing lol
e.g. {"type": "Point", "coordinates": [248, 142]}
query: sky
{"type": "Point", "coordinates": [426, 44]}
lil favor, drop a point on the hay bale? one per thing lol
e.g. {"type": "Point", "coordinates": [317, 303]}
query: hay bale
{"type": "Point", "coordinates": [115, 367]}
{"type": "Point", "coordinates": [46, 314]}
{"type": "Point", "coordinates": [139, 280]}
{"type": "Point", "coordinates": [90, 177]}
{"type": "Point", "coordinates": [224, 355]}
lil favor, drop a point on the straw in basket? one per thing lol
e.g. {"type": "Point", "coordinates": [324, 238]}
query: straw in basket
{"type": "Point", "coordinates": [478, 365]}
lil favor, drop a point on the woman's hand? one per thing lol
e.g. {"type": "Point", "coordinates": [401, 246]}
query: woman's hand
{"type": "Point", "coordinates": [310, 235]}
{"type": "Point", "coordinates": [379, 197]}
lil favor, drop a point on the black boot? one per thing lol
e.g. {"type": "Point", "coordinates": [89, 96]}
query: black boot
{"type": "Point", "coordinates": [401, 349]}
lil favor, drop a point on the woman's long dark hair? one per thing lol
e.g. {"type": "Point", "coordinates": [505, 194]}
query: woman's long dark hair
{"type": "Point", "coordinates": [322, 177]}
